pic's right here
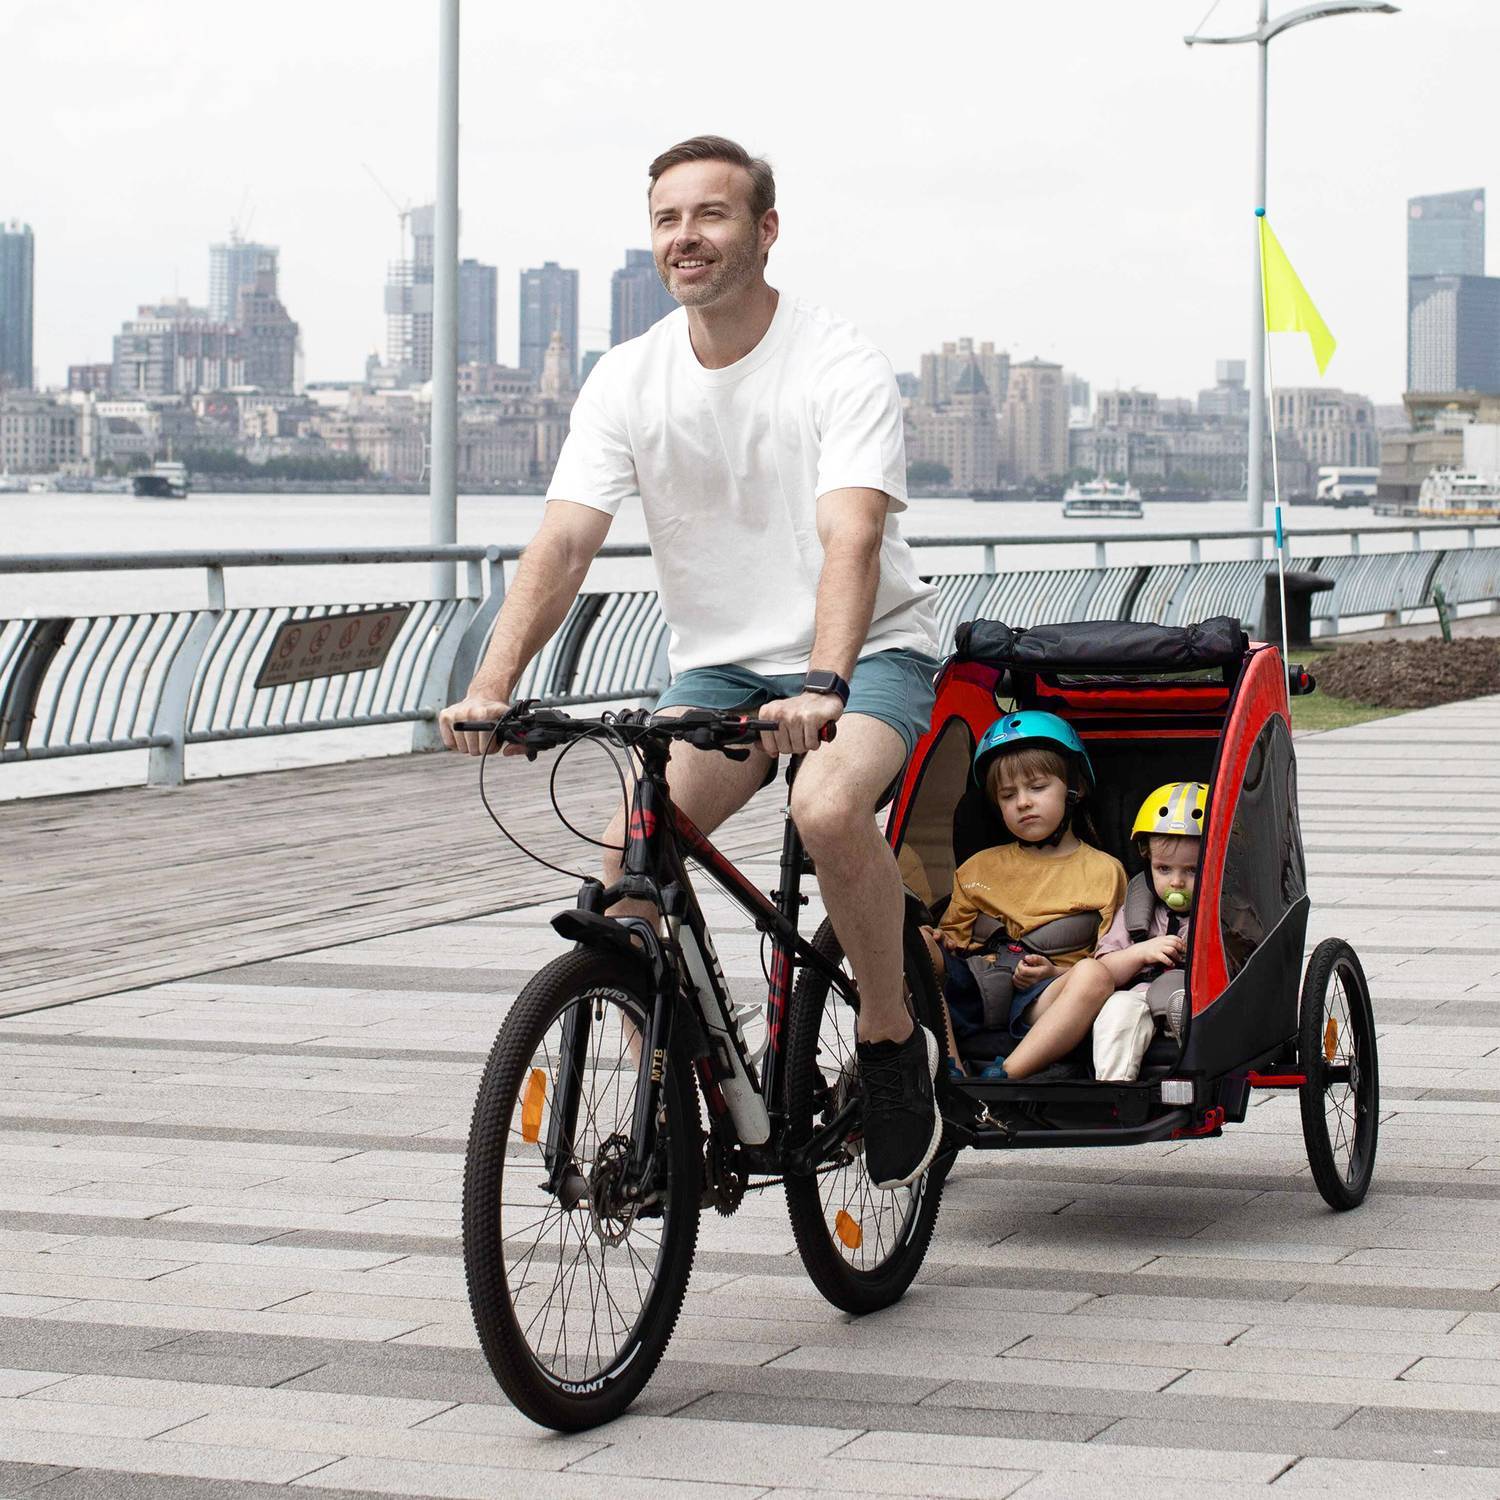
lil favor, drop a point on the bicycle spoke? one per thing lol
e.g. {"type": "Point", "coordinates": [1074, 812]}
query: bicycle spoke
{"type": "Point", "coordinates": [573, 1316]}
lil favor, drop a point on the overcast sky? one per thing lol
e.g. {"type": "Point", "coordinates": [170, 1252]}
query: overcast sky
{"type": "Point", "coordinates": [1061, 176]}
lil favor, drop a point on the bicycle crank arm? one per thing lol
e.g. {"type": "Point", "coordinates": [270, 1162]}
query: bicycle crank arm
{"type": "Point", "coordinates": [807, 1158]}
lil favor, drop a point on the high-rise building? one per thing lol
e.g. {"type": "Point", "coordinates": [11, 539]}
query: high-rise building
{"type": "Point", "coordinates": [94, 378]}
{"type": "Point", "coordinates": [17, 277]}
{"type": "Point", "coordinates": [1320, 425]}
{"type": "Point", "coordinates": [1035, 426]}
{"type": "Point", "coordinates": [1133, 408]}
{"type": "Point", "coordinates": [1453, 333]}
{"type": "Point", "coordinates": [1445, 234]}
{"type": "Point", "coordinates": [408, 303]}
{"type": "Point", "coordinates": [549, 304]}
{"type": "Point", "coordinates": [941, 371]}
{"type": "Point", "coordinates": [960, 433]}
{"type": "Point", "coordinates": [1228, 401]}
{"type": "Point", "coordinates": [175, 349]}
{"type": "Point", "coordinates": [637, 298]}
{"type": "Point", "coordinates": [268, 334]}
{"type": "Point", "coordinates": [478, 313]}
{"type": "Point", "coordinates": [231, 266]}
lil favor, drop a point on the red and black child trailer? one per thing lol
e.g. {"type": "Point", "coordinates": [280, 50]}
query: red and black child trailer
{"type": "Point", "coordinates": [1151, 704]}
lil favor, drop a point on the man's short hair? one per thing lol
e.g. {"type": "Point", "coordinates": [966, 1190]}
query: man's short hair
{"type": "Point", "coordinates": [721, 148]}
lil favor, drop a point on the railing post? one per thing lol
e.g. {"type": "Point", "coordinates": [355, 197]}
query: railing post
{"type": "Point", "coordinates": [1195, 549]}
{"type": "Point", "coordinates": [989, 557]}
{"type": "Point", "coordinates": [1101, 555]}
{"type": "Point", "coordinates": [457, 653]}
{"type": "Point", "coordinates": [166, 766]}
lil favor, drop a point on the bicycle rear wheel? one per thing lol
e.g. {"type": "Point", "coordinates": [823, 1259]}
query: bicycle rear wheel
{"type": "Point", "coordinates": [575, 1289]}
{"type": "Point", "coordinates": [1341, 1099]}
{"type": "Point", "coordinates": [861, 1246]}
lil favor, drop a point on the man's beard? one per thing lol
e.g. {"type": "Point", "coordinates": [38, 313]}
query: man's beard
{"type": "Point", "coordinates": [736, 267]}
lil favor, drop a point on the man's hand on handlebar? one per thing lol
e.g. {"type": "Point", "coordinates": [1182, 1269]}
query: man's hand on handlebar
{"type": "Point", "coordinates": [476, 707]}
{"type": "Point", "coordinates": [800, 722]}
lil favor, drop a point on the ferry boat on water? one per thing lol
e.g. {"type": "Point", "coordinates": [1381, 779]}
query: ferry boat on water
{"type": "Point", "coordinates": [1101, 499]}
{"type": "Point", "coordinates": [163, 481]}
{"type": "Point", "coordinates": [1459, 494]}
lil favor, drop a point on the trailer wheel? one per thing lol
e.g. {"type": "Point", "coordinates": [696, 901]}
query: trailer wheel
{"type": "Point", "coordinates": [1341, 1098]}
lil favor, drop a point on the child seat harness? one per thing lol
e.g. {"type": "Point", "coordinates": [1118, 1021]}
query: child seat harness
{"type": "Point", "coordinates": [994, 966]}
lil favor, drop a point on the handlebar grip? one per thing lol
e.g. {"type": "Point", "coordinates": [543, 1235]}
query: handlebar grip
{"type": "Point", "coordinates": [770, 726]}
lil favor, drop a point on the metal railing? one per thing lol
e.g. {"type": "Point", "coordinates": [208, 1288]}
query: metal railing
{"type": "Point", "coordinates": [160, 680]}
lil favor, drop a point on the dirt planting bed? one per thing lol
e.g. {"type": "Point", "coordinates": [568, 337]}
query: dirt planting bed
{"type": "Point", "coordinates": [1411, 674]}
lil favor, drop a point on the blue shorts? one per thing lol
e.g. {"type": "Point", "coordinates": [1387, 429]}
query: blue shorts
{"type": "Point", "coordinates": [966, 1005]}
{"type": "Point", "coordinates": [895, 687]}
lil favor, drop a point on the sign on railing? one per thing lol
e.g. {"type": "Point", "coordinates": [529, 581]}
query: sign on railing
{"type": "Point", "coordinates": [329, 645]}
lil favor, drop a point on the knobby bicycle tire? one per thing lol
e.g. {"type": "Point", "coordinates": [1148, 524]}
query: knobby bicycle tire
{"type": "Point", "coordinates": [510, 1083]}
{"type": "Point", "coordinates": [830, 1239]}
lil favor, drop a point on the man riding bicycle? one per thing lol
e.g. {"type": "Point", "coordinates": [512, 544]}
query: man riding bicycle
{"type": "Point", "coordinates": [763, 438]}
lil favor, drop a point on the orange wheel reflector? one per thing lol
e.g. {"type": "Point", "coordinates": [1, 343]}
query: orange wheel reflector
{"type": "Point", "coordinates": [849, 1233]}
{"type": "Point", "coordinates": [1331, 1039]}
{"type": "Point", "coordinates": [531, 1105]}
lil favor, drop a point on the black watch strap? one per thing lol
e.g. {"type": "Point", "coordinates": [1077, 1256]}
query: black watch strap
{"type": "Point", "coordinates": [827, 682]}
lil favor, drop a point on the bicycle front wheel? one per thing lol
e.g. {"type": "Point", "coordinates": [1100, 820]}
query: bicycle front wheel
{"type": "Point", "coordinates": [575, 1286]}
{"type": "Point", "coordinates": [861, 1245]}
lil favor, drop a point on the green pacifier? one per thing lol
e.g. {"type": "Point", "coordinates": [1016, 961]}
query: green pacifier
{"type": "Point", "coordinates": [1178, 900]}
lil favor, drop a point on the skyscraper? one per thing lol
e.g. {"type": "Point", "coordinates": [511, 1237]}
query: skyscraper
{"type": "Point", "coordinates": [1445, 234]}
{"type": "Point", "coordinates": [1453, 333]}
{"type": "Point", "coordinates": [268, 334]}
{"type": "Point", "coordinates": [408, 303]}
{"type": "Point", "coordinates": [17, 275]}
{"type": "Point", "coordinates": [231, 266]}
{"type": "Point", "coordinates": [549, 304]}
{"type": "Point", "coordinates": [478, 310]}
{"type": "Point", "coordinates": [637, 299]}
{"type": "Point", "coordinates": [1035, 430]}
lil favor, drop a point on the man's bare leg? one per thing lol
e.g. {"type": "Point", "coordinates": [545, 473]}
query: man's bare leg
{"type": "Point", "coordinates": [833, 805]}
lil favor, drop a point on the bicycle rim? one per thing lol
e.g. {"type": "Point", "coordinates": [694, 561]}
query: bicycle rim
{"type": "Point", "coordinates": [581, 1267]}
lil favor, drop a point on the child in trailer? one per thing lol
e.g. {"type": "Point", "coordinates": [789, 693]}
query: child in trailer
{"type": "Point", "coordinates": [1146, 945]}
{"type": "Point", "coordinates": [1015, 944]}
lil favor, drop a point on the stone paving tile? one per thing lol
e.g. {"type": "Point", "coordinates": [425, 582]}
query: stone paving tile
{"type": "Point", "coordinates": [439, 1481]}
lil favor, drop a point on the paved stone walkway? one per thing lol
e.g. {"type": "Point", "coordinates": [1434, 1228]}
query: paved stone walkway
{"type": "Point", "coordinates": [229, 1260]}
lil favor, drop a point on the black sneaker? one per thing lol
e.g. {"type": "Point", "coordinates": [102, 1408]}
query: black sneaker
{"type": "Point", "coordinates": [902, 1122]}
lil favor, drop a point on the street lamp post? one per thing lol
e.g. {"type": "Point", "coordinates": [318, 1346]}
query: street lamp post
{"type": "Point", "coordinates": [443, 492]}
{"type": "Point", "coordinates": [1262, 36]}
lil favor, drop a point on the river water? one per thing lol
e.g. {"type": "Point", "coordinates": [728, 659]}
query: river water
{"type": "Point", "coordinates": [32, 523]}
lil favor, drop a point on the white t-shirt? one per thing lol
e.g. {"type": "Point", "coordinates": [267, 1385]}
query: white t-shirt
{"type": "Point", "coordinates": [729, 465]}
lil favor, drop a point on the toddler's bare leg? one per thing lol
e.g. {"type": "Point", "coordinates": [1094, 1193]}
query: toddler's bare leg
{"type": "Point", "coordinates": [1065, 1011]}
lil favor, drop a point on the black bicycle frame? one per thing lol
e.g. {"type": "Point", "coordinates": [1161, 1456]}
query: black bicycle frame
{"type": "Point", "coordinates": [659, 839]}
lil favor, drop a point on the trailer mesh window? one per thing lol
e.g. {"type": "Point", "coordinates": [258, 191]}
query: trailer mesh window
{"type": "Point", "coordinates": [1264, 869]}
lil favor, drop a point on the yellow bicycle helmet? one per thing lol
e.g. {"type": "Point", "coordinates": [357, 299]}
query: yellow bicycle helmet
{"type": "Point", "coordinates": [1176, 809]}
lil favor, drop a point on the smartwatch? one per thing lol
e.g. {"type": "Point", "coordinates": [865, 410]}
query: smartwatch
{"type": "Point", "coordinates": [827, 682]}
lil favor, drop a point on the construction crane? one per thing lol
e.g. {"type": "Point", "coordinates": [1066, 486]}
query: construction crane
{"type": "Point", "coordinates": [403, 212]}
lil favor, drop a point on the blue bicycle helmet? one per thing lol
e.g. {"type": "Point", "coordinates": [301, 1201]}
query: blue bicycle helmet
{"type": "Point", "coordinates": [1030, 726]}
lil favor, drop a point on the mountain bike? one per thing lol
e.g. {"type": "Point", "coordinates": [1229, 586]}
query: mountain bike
{"type": "Point", "coordinates": [622, 1096]}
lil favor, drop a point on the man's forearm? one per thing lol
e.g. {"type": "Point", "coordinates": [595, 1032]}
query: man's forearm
{"type": "Point", "coordinates": [546, 583]}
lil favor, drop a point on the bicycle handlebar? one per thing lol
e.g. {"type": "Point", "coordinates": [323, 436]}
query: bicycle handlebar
{"type": "Point", "coordinates": [536, 729]}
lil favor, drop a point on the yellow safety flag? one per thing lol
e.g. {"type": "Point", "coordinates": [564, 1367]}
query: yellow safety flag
{"type": "Point", "coordinates": [1288, 307]}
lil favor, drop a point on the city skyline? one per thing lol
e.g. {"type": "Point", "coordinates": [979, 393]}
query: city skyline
{"type": "Point", "coordinates": [1030, 234]}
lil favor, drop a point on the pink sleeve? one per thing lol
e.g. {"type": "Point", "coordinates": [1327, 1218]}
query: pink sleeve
{"type": "Point", "coordinates": [1117, 939]}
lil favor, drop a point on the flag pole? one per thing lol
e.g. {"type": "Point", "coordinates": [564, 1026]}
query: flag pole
{"type": "Point", "coordinates": [1260, 215]}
